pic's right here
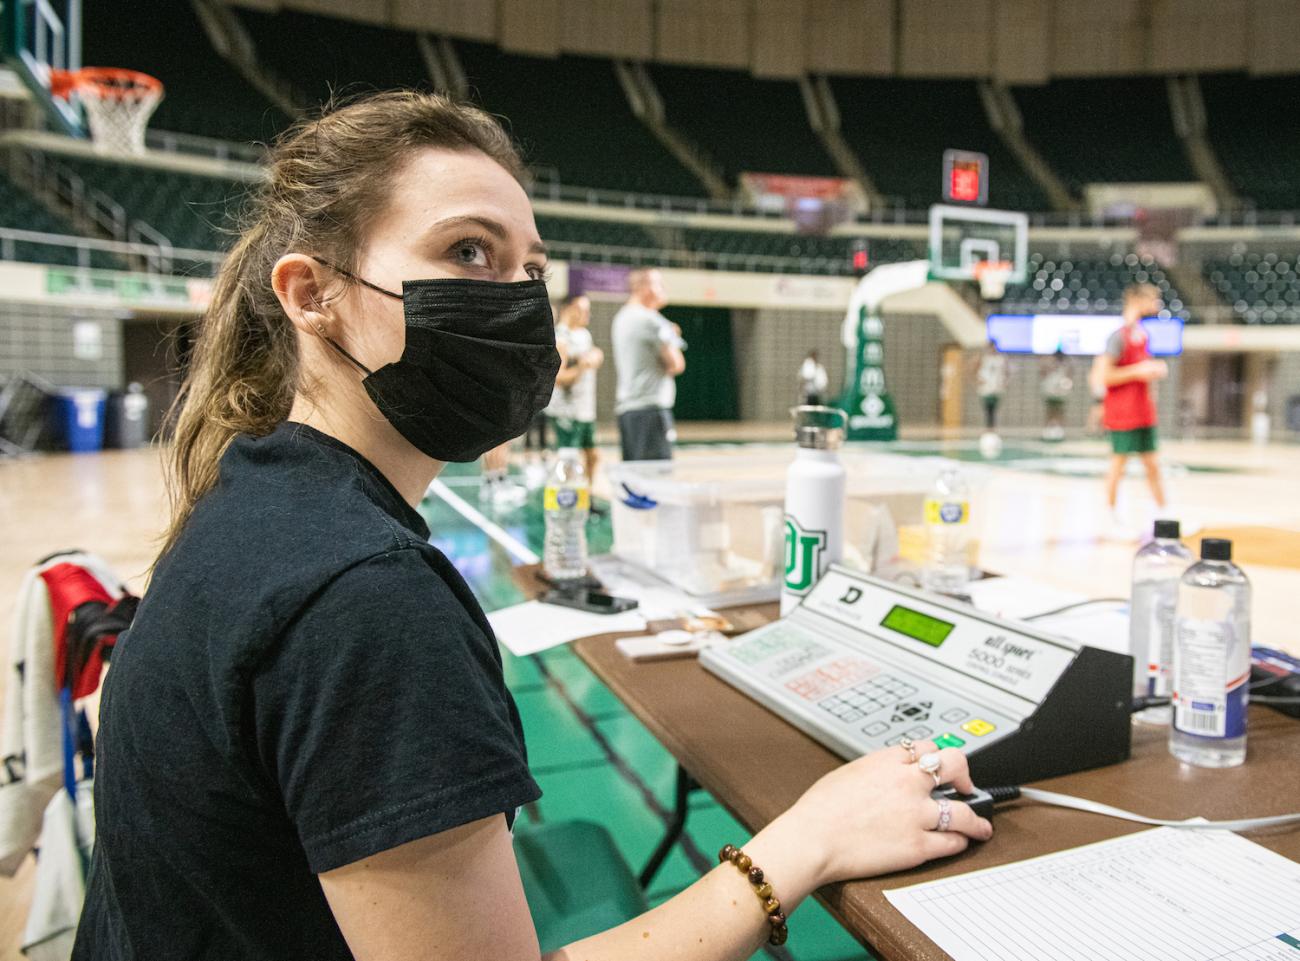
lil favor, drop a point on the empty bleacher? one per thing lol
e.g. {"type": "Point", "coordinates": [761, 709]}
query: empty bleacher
{"type": "Point", "coordinates": [190, 210]}
{"type": "Point", "coordinates": [1103, 130]}
{"type": "Point", "coordinates": [741, 122]}
{"type": "Point", "coordinates": [1090, 283]}
{"type": "Point", "coordinates": [1253, 129]}
{"type": "Point", "coordinates": [20, 211]}
{"type": "Point", "coordinates": [900, 129]}
{"type": "Point", "coordinates": [569, 113]}
{"type": "Point", "coordinates": [1261, 288]}
{"type": "Point", "coordinates": [205, 96]}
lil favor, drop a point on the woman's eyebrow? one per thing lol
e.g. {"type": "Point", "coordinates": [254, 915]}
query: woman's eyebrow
{"type": "Point", "coordinates": [494, 227]}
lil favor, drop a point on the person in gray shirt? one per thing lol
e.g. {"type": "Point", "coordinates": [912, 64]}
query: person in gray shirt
{"type": "Point", "coordinates": [647, 357]}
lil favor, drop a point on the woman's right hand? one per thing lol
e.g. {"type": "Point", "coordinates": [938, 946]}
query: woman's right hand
{"type": "Point", "coordinates": [875, 815]}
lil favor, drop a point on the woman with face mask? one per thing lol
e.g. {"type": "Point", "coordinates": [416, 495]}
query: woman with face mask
{"type": "Point", "coordinates": [306, 747]}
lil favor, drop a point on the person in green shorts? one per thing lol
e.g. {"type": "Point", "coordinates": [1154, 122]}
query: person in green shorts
{"type": "Point", "coordinates": [573, 407]}
{"type": "Point", "coordinates": [1127, 371]}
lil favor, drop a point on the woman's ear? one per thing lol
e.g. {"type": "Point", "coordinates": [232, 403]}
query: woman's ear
{"type": "Point", "coordinates": [300, 284]}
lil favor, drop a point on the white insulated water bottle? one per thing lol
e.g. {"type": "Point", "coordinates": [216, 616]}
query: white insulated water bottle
{"type": "Point", "coordinates": [814, 501]}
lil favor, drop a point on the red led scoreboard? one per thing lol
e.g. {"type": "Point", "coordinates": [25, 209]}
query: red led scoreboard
{"type": "Point", "coordinates": [965, 177]}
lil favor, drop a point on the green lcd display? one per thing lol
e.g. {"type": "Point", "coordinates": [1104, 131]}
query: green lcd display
{"type": "Point", "coordinates": [914, 624]}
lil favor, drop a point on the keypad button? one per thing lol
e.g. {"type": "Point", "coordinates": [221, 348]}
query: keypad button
{"type": "Point", "coordinates": [919, 731]}
{"type": "Point", "coordinates": [978, 726]}
{"type": "Point", "coordinates": [954, 714]}
{"type": "Point", "coordinates": [875, 730]}
{"type": "Point", "coordinates": [949, 740]}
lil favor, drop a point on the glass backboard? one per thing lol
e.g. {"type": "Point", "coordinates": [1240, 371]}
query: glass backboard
{"type": "Point", "coordinates": [963, 237]}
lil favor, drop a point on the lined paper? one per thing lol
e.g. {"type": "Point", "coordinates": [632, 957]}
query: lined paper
{"type": "Point", "coordinates": [1161, 895]}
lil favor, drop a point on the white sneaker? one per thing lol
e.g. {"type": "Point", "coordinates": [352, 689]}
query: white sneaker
{"type": "Point", "coordinates": [1115, 529]}
{"type": "Point", "coordinates": [507, 495]}
{"type": "Point", "coordinates": [534, 475]}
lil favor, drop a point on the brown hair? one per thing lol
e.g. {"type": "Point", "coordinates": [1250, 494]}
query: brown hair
{"type": "Point", "coordinates": [1133, 291]}
{"type": "Point", "coordinates": [327, 178]}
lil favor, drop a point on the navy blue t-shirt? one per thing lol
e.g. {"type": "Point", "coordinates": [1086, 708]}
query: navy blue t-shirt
{"type": "Point", "coordinates": [307, 682]}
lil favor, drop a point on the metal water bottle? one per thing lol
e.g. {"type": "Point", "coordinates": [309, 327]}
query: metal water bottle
{"type": "Point", "coordinates": [814, 501]}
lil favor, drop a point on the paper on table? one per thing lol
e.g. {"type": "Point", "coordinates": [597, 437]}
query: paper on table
{"type": "Point", "coordinates": [1014, 597]}
{"type": "Point", "coordinates": [533, 626]}
{"type": "Point", "coordinates": [1161, 895]}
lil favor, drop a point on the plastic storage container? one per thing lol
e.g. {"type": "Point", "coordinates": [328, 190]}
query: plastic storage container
{"type": "Point", "coordinates": [694, 522]}
{"type": "Point", "coordinates": [126, 419]}
{"type": "Point", "coordinates": [79, 419]}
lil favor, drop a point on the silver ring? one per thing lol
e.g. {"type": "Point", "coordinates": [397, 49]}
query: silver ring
{"type": "Point", "coordinates": [908, 745]}
{"type": "Point", "coordinates": [945, 814]}
{"type": "Point", "coordinates": [929, 763]}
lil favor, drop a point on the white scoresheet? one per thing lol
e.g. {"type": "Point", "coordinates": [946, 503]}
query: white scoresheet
{"type": "Point", "coordinates": [1161, 895]}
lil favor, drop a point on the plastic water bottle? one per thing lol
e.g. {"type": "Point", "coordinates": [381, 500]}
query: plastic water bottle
{"type": "Point", "coordinates": [1157, 570]}
{"type": "Point", "coordinates": [948, 534]}
{"type": "Point", "coordinates": [566, 503]}
{"type": "Point", "coordinates": [1211, 671]}
{"type": "Point", "coordinates": [814, 501]}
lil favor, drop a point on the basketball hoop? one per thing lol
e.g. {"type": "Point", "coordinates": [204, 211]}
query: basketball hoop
{"type": "Point", "coordinates": [117, 102]}
{"type": "Point", "coordinates": [992, 276]}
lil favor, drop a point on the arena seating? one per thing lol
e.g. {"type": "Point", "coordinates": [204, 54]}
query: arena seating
{"type": "Point", "coordinates": [190, 210]}
{"type": "Point", "coordinates": [1254, 133]}
{"type": "Point", "coordinates": [20, 211]}
{"type": "Point", "coordinates": [570, 113]}
{"type": "Point", "coordinates": [1262, 288]}
{"type": "Point", "coordinates": [205, 95]}
{"type": "Point", "coordinates": [1104, 130]}
{"type": "Point", "coordinates": [742, 122]}
{"type": "Point", "coordinates": [1087, 284]}
{"type": "Point", "coordinates": [900, 129]}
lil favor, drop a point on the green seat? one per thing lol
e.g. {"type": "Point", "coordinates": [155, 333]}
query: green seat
{"type": "Point", "coordinates": [576, 882]}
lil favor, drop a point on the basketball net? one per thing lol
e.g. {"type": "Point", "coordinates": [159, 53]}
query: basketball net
{"type": "Point", "coordinates": [992, 276]}
{"type": "Point", "coordinates": [117, 103]}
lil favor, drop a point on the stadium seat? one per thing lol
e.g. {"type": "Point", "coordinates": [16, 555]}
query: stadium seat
{"type": "Point", "coordinates": [1104, 130]}
{"type": "Point", "coordinates": [1068, 284]}
{"type": "Point", "coordinates": [570, 114]}
{"type": "Point", "coordinates": [20, 211]}
{"type": "Point", "coordinates": [1261, 288]}
{"type": "Point", "coordinates": [742, 122]}
{"type": "Point", "coordinates": [205, 95]}
{"type": "Point", "coordinates": [900, 129]}
{"type": "Point", "coordinates": [1255, 136]}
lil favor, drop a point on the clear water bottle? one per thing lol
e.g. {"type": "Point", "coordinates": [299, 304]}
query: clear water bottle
{"type": "Point", "coordinates": [1157, 570]}
{"type": "Point", "coordinates": [566, 503]}
{"type": "Point", "coordinates": [948, 534]}
{"type": "Point", "coordinates": [1211, 671]}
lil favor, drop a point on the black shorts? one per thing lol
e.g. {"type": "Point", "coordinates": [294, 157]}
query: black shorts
{"type": "Point", "coordinates": [643, 434]}
{"type": "Point", "coordinates": [535, 436]}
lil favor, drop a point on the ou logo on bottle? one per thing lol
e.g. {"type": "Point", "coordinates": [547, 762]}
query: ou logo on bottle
{"type": "Point", "coordinates": [803, 556]}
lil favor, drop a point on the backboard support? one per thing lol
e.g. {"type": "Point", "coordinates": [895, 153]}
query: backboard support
{"type": "Point", "coordinates": [40, 37]}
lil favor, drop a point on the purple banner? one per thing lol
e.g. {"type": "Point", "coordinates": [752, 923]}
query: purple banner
{"type": "Point", "coordinates": [598, 278]}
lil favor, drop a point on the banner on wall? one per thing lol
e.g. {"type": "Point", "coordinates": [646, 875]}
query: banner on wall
{"type": "Point", "coordinates": [816, 204]}
{"type": "Point", "coordinates": [597, 278]}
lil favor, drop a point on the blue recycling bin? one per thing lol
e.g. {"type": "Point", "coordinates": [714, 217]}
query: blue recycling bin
{"type": "Point", "coordinates": [79, 418]}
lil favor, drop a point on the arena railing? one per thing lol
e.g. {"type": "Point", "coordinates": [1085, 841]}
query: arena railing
{"type": "Point", "coordinates": [157, 259]}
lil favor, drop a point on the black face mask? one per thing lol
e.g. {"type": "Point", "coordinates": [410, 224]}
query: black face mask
{"type": "Point", "coordinates": [479, 364]}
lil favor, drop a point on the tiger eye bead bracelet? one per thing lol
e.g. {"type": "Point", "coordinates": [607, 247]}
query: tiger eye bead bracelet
{"type": "Point", "coordinates": [780, 932]}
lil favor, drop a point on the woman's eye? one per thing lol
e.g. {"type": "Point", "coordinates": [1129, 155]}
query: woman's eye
{"type": "Point", "coordinates": [536, 272]}
{"type": "Point", "coordinates": [471, 254]}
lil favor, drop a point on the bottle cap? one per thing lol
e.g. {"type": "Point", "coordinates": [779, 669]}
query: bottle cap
{"type": "Point", "coordinates": [1168, 530]}
{"type": "Point", "coordinates": [1216, 549]}
{"type": "Point", "coordinates": [819, 428]}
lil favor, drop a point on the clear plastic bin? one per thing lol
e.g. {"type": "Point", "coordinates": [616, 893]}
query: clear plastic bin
{"type": "Point", "coordinates": [713, 524]}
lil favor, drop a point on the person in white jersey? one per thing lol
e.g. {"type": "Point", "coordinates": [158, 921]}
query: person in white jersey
{"type": "Point", "coordinates": [991, 383]}
{"type": "Point", "coordinates": [647, 359]}
{"type": "Point", "coordinates": [812, 380]}
{"type": "Point", "coordinates": [573, 407]}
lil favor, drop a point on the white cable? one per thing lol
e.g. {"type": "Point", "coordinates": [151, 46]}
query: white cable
{"type": "Point", "coordinates": [1082, 804]}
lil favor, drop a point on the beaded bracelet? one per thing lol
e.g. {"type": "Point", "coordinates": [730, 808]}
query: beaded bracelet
{"type": "Point", "coordinates": [754, 874]}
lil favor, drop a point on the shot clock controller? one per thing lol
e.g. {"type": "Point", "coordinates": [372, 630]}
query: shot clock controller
{"type": "Point", "coordinates": [862, 663]}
